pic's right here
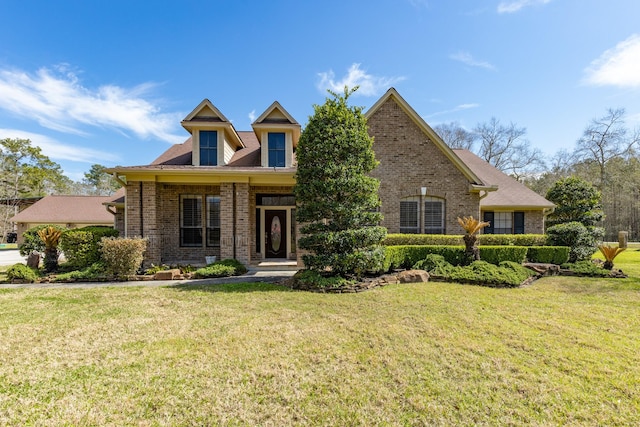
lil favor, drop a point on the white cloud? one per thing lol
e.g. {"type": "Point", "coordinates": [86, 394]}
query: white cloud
{"type": "Point", "coordinates": [55, 150]}
{"type": "Point", "coordinates": [252, 116]}
{"type": "Point", "coordinates": [619, 66]}
{"type": "Point", "coordinates": [455, 109]}
{"type": "Point", "coordinates": [57, 100]}
{"type": "Point", "coordinates": [468, 59]}
{"type": "Point", "coordinates": [369, 85]}
{"type": "Point", "coordinates": [516, 5]}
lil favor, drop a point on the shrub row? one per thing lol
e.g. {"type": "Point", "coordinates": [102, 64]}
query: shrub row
{"type": "Point", "coordinates": [453, 240]}
{"type": "Point", "coordinates": [81, 246]}
{"type": "Point", "coordinates": [223, 268]}
{"type": "Point", "coordinates": [406, 256]}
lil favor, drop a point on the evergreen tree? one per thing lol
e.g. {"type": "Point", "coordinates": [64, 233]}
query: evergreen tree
{"type": "Point", "coordinates": [337, 199]}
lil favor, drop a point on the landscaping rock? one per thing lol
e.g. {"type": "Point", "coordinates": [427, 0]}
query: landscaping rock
{"type": "Point", "coordinates": [33, 260]}
{"type": "Point", "coordinates": [413, 276]}
{"type": "Point", "coordinates": [172, 274]}
{"type": "Point", "coordinates": [543, 269]}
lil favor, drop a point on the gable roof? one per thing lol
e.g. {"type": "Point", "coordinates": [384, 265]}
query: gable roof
{"type": "Point", "coordinates": [67, 209]}
{"type": "Point", "coordinates": [477, 183]}
{"type": "Point", "coordinates": [207, 116]}
{"type": "Point", "coordinates": [510, 194]}
{"type": "Point", "coordinates": [275, 118]}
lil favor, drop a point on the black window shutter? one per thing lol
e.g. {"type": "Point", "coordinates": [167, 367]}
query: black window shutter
{"type": "Point", "coordinates": [488, 217]}
{"type": "Point", "coordinates": [518, 222]}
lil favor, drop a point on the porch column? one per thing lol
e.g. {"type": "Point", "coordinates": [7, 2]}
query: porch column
{"type": "Point", "coordinates": [243, 228]}
{"type": "Point", "coordinates": [226, 220]}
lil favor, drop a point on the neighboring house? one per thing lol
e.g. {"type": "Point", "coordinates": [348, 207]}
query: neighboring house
{"type": "Point", "coordinates": [65, 211]}
{"type": "Point", "coordinates": [230, 193]}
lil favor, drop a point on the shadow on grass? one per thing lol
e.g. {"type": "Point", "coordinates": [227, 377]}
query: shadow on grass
{"type": "Point", "coordinates": [242, 287]}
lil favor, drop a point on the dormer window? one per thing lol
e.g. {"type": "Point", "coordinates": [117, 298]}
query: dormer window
{"type": "Point", "coordinates": [277, 149]}
{"type": "Point", "coordinates": [208, 148]}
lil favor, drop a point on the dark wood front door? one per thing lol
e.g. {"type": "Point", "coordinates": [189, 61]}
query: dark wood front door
{"type": "Point", "coordinates": [275, 226]}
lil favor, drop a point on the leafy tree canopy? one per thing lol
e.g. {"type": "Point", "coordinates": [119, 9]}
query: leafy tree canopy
{"type": "Point", "coordinates": [576, 200]}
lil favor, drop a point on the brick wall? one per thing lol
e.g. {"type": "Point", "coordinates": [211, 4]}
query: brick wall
{"type": "Point", "coordinates": [408, 161]}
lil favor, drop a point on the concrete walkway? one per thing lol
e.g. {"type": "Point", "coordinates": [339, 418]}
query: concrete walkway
{"type": "Point", "coordinates": [251, 276]}
{"type": "Point", "coordinates": [11, 256]}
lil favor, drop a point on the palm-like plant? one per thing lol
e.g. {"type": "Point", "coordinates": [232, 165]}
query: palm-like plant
{"type": "Point", "coordinates": [609, 253]}
{"type": "Point", "coordinates": [50, 237]}
{"type": "Point", "coordinates": [471, 226]}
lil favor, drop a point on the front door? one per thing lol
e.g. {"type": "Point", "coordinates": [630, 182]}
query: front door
{"type": "Point", "coordinates": [276, 233]}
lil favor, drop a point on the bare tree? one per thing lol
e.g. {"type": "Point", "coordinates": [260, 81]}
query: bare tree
{"type": "Point", "coordinates": [455, 136]}
{"type": "Point", "coordinates": [506, 148]}
{"type": "Point", "coordinates": [605, 139]}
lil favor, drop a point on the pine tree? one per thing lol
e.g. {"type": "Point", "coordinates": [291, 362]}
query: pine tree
{"type": "Point", "coordinates": [337, 199]}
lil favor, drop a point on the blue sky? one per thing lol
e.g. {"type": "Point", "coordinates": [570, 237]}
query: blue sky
{"type": "Point", "coordinates": [109, 81]}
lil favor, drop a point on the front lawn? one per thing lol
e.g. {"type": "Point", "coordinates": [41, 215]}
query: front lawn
{"type": "Point", "coordinates": [562, 351]}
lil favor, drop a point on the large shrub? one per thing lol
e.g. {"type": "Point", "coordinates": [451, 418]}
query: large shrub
{"type": "Point", "coordinates": [32, 241]}
{"type": "Point", "coordinates": [582, 240]}
{"type": "Point", "coordinates": [81, 246]}
{"type": "Point", "coordinates": [122, 257]}
{"type": "Point", "coordinates": [336, 197]}
{"type": "Point", "coordinates": [576, 200]}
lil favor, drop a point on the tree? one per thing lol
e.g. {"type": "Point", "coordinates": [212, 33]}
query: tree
{"type": "Point", "coordinates": [336, 199]}
{"type": "Point", "coordinates": [26, 172]}
{"type": "Point", "coordinates": [575, 200]}
{"type": "Point", "coordinates": [455, 136]}
{"type": "Point", "coordinates": [605, 139]}
{"type": "Point", "coordinates": [99, 182]}
{"type": "Point", "coordinates": [507, 149]}
{"type": "Point", "coordinates": [573, 222]}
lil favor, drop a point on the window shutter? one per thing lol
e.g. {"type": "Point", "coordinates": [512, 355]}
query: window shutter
{"type": "Point", "coordinates": [518, 222]}
{"type": "Point", "coordinates": [488, 217]}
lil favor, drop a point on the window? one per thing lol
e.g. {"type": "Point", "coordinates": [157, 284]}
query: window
{"type": "Point", "coordinates": [192, 224]}
{"type": "Point", "coordinates": [433, 215]}
{"type": "Point", "coordinates": [208, 148]}
{"type": "Point", "coordinates": [409, 215]}
{"type": "Point", "coordinates": [213, 221]}
{"type": "Point", "coordinates": [504, 222]}
{"type": "Point", "coordinates": [190, 220]}
{"type": "Point", "coordinates": [276, 146]}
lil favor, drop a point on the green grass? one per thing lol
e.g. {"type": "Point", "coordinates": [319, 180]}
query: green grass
{"type": "Point", "coordinates": [561, 351]}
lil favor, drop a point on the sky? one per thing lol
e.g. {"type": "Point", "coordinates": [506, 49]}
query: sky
{"type": "Point", "coordinates": [108, 82]}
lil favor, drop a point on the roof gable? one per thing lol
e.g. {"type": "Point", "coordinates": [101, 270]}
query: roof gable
{"type": "Point", "coordinates": [276, 118]}
{"type": "Point", "coordinates": [393, 95]}
{"type": "Point", "coordinates": [67, 210]}
{"type": "Point", "coordinates": [205, 112]}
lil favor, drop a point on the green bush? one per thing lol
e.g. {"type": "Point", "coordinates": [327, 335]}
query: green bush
{"type": "Point", "coordinates": [507, 274]}
{"type": "Point", "coordinates": [586, 268]}
{"type": "Point", "coordinates": [581, 240]}
{"type": "Point", "coordinates": [222, 268]}
{"type": "Point", "coordinates": [22, 272]}
{"type": "Point", "coordinates": [455, 240]}
{"type": "Point", "coordinates": [548, 254]}
{"type": "Point", "coordinates": [497, 254]}
{"type": "Point", "coordinates": [313, 279]}
{"type": "Point", "coordinates": [408, 255]}
{"type": "Point", "coordinates": [96, 271]}
{"type": "Point", "coordinates": [81, 246]}
{"type": "Point", "coordinates": [434, 263]}
{"type": "Point", "coordinates": [214, 270]}
{"type": "Point", "coordinates": [32, 241]}
{"type": "Point", "coordinates": [122, 257]}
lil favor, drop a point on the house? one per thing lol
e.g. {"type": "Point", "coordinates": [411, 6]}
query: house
{"type": "Point", "coordinates": [229, 193]}
{"type": "Point", "coordinates": [66, 211]}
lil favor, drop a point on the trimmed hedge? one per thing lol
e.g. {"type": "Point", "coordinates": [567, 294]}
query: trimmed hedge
{"type": "Point", "coordinates": [22, 272]}
{"type": "Point", "coordinates": [454, 240]}
{"type": "Point", "coordinates": [406, 256]}
{"type": "Point", "coordinates": [548, 254]}
{"type": "Point", "coordinates": [497, 254]}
